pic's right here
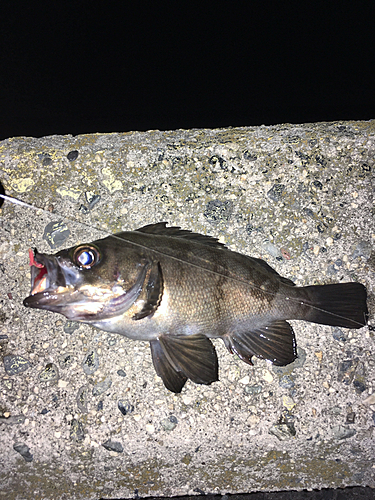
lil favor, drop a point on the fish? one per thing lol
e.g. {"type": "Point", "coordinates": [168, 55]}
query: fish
{"type": "Point", "coordinates": [178, 289]}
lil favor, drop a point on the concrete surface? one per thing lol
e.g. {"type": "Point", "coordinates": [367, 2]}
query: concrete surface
{"type": "Point", "coordinates": [299, 196]}
{"type": "Point", "coordinates": [349, 493]}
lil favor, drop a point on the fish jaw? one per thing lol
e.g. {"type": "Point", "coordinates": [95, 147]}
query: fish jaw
{"type": "Point", "coordinates": [57, 285]}
{"type": "Point", "coordinates": [52, 287]}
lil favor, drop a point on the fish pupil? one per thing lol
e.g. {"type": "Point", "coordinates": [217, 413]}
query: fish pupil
{"type": "Point", "coordinates": [86, 257]}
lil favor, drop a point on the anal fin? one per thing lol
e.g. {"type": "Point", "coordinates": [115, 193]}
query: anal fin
{"type": "Point", "coordinates": [177, 358]}
{"type": "Point", "coordinates": [275, 342]}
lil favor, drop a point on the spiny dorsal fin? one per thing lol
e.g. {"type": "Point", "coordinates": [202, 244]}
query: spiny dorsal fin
{"type": "Point", "coordinates": [176, 232]}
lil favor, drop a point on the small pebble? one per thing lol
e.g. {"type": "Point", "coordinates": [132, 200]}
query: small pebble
{"type": "Point", "coordinates": [125, 407]}
{"type": "Point", "coordinates": [169, 424]}
{"type": "Point", "coordinates": [319, 355]}
{"type": "Point", "coordinates": [65, 360]}
{"type": "Point", "coordinates": [101, 387]}
{"type": "Point", "coordinates": [112, 340]}
{"type": "Point", "coordinates": [7, 383]}
{"type": "Point", "coordinates": [350, 417]}
{"type": "Point", "coordinates": [113, 446]}
{"type": "Point", "coordinates": [94, 200]}
{"type": "Point", "coordinates": [285, 254]}
{"type": "Point", "coordinates": [283, 430]}
{"type": "Point", "coordinates": [286, 382]}
{"type": "Point", "coordinates": [288, 403]}
{"type": "Point", "coordinates": [338, 334]}
{"type": "Point", "coordinates": [272, 249]}
{"type": "Point", "coordinates": [276, 192]}
{"type": "Point", "coordinates": [24, 451]}
{"type": "Point", "coordinates": [49, 374]}
{"type": "Point", "coordinates": [341, 432]}
{"type": "Point", "coordinates": [91, 362]}
{"type": "Point", "coordinates": [55, 233]}
{"type": "Point", "coordinates": [316, 250]}
{"type": "Point", "coordinates": [82, 399]}
{"type": "Point", "coordinates": [186, 399]}
{"type": "Point", "coordinates": [244, 380]}
{"type": "Point", "coordinates": [76, 431]}
{"type": "Point", "coordinates": [253, 420]}
{"type": "Point", "coordinates": [363, 249]}
{"type": "Point", "coordinates": [15, 364]}
{"type": "Point", "coordinates": [150, 428]}
{"type": "Point", "coordinates": [72, 155]}
{"type": "Point", "coordinates": [253, 389]}
{"type": "Point", "coordinates": [267, 376]}
{"type": "Point", "coordinates": [71, 326]}
{"type": "Point", "coordinates": [347, 370]}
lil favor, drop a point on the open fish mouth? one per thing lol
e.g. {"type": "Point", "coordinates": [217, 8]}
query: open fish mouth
{"type": "Point", "coordinates": [47, 279]}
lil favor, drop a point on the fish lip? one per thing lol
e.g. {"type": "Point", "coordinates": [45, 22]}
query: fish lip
{"type": "Point", "coordinates": [46, 273]}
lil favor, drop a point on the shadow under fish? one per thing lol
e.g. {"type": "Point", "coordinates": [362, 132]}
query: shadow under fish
{"type": "Point", "coordinates": [177, 289]}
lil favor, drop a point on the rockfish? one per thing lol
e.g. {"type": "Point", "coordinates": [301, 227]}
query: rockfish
{"type": "Point", "coordinates": [178, 289]}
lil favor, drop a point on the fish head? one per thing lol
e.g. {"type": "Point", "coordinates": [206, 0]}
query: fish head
{"type": "Point", "coordinates": [88, 282]}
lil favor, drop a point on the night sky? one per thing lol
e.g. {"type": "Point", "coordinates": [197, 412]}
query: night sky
{"type": "Point", "coordinates": [73, 68]}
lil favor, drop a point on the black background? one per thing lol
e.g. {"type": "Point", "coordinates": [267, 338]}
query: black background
{"type": "Point", "coordinates": [82, 67]}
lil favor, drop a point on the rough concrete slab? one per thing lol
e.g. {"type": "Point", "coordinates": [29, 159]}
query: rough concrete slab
{"type": "Point", "coordinates": [299, 196]}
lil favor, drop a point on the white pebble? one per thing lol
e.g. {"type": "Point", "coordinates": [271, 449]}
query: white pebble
{"type": "Point", "coordinates": [267, 376]}
{"type": "Point", "coordinates": [186, 399]}
{"type": "Point", "coordinates": [150, 428]}
{"type": "Point", "coordinates": [245, 380]}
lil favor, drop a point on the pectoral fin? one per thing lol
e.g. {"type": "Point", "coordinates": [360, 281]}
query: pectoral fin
{"type": "Point", "coordinates": [275, 342]}
{"type": "Point", "coordinates": [173, 380]}
{"type": "Point", "coordinates": [178, 358]}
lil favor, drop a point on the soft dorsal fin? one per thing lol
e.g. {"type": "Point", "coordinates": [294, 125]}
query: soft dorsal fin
{"type": "Point", "coordinates": [176, 232]}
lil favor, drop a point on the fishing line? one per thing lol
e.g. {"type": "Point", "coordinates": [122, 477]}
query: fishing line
{"type": "Point", "coordinates": [21, 203]}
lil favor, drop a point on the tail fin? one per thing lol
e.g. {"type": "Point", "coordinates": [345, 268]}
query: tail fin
{"type": "Point", "coordinates": [341, 304]}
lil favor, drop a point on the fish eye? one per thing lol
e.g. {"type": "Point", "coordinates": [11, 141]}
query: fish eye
{"type": "Point", "coordinates": [86, 256]}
